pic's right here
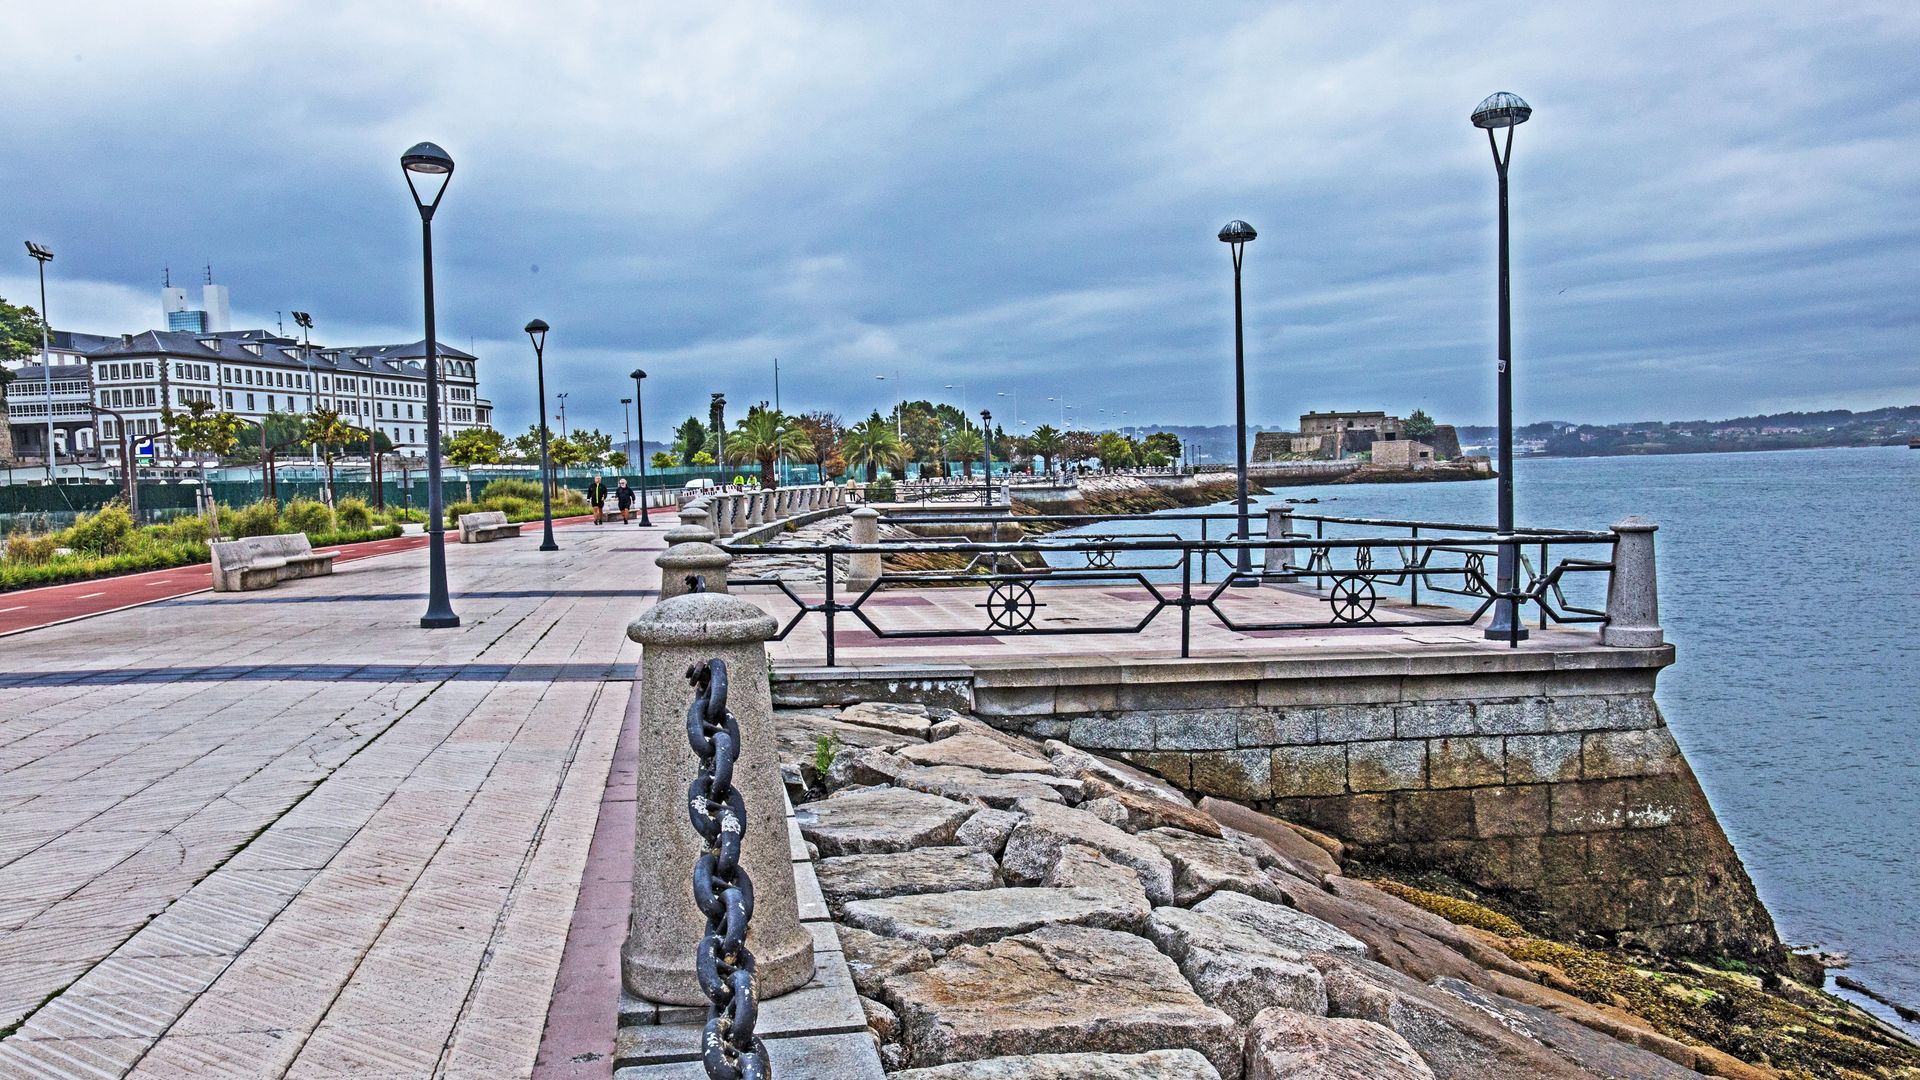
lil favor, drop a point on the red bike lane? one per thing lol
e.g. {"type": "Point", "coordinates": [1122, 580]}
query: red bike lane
{"type": "Point", "coordinates": [31, 609]}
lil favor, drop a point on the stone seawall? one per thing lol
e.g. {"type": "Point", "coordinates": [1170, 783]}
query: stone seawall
{"type": "Point", "coordinates": [1559, 789]}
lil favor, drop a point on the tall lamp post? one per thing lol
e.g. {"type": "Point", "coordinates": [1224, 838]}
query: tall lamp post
{"type": "Point", "coordinates": [430, 168]}
{"type": "Point", "coordinates": [1237, 234]}
{"type": "Point", "coordinates": [1508, 111]}
{"type": "Point", "coordinates": [640, 448]}
{"type": "Point", "coordinates": [304, 321]}
{"type": "Point", "coordinates": [43, 256]}
{"type": "Point", "coordinates": [626, 418]}
{"type": "Point", "coordinates": [986, 443]}
{"type": "Point", "coordinates": [537, 332]}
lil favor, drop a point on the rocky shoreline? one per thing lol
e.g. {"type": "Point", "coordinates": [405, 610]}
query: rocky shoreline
{"type": "Point", "coordinates": [1019, 910]}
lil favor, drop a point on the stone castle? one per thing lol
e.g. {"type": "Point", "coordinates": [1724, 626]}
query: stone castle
{"type": "Point", "coordinates": [1336, 436]}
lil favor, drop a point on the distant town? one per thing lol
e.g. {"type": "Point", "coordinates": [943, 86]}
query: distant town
{"type": "Point", "coordinates": [1890, 426]}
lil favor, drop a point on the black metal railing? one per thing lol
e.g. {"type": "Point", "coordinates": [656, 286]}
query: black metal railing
{"type": "Point", "coordinates": [1375, 578]}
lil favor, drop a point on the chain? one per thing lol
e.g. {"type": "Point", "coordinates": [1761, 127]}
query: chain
{"type": "Point", "coordinates": [721, 887]}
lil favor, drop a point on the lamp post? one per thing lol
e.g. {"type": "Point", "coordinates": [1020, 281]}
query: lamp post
{"type": "Point", "coordinates": [640, 448]}
{"type": "Point", "coordinates": [43, 256]}
{"type": "Point", "coordinates": [986, 429]}
{"type": "Point", "coordinates": [304, 321]}
{"type": "Point", "coordinates": [537, 333]}
{"type": "Point", "coordinates": [1237, 234]}
{"type": "Point", "coordinates": [428, 166]}
{"type": "Point", "coordinates": [1504, 110]}
{"type": "Point", "coordinates": [626, 419]}
{"type": "Point", "coordinates": [563, 414]}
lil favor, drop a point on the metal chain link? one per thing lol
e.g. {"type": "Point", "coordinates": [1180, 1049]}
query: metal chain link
{"type": "Point", "coordinates": [721, 888]}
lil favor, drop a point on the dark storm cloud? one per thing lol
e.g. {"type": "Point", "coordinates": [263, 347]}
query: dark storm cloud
{"type": "Point", "coordinates": [1714, 207]}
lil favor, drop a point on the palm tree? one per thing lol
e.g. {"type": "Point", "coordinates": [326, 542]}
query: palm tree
{"type": "Point", "coordinates": [968, 446]}
{"type": "Point", "coordinates": [764, 436]}
{"type": "Point", "coordinates": [1047, 442]}
{"type": "Point", "coordinates": [873, 442]}
{"type": "Point", "coordinates": [329, 432]}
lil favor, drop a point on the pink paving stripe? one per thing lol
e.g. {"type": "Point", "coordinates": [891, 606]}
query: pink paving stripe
{"type": "Point", "coordinates": [583, 1017]}
{"type": "Point", "coordinates": [867, 639]}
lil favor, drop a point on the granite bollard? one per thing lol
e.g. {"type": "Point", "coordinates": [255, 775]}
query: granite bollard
{"type": "Point", "coordinates": [692, 528]}
{"type": "Point", "coordinates": [1633, 595]}
{"type": "Point", "coordinates": [722, 516]}
{"type": "Point", "coordinates": [664, 926]}
{"type": "Point", "coordinates": [1279, 527]}
{"type": "Point", "coordinates": [687, 560]}
{"type": "Point", "coordinates": [862, 569]}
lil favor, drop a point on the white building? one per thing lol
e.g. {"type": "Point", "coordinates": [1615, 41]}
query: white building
{"type": "Point", "coordinates": [251, 373]}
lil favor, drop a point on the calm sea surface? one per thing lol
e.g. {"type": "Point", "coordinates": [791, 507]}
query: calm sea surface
{"type": "Point", "coordinates": [1789, 583]}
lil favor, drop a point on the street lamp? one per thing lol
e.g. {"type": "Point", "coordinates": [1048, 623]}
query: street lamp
{"type": "Point", "coordinates": [563, 414]}
{"type": "Point", "coordinates": [428, 167]}
{"type": "Point", "coordinates": [1504, 110]}
{"type": "Point", "coordinates": [43, 256]}
{"type": "Point", "coordinates": [1237, 234]}
{"type": "Point", "coordinates": [986, 429]}
{"type": "Point", "coordinates": [537, 333]}
{"type": "Point", "coordinates": [962, 387]}
{"type": "Point", "coordinates": [304, 321]}
{"type": "Point", "coordinates": [640, 448]}
{"type": "Point", "coordinates": [626, 420]}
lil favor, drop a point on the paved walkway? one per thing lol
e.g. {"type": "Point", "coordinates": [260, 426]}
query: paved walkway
{"type": "Point", "coordinates": [29, 609]}
{"type": "Point", "coordinates": [290, 833]}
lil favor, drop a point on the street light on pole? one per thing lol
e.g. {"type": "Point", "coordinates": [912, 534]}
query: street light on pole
{"type": "Point", "coordinates": [429, 167]}
{"type": "Point", "coordinates": [304, 321]}
{"type": "Point", "coordinates": [1238, 234]}
{"type": "Point", "coordinates": [43, 256]}
{"type": "Point", "coordinates": [1508, 111]}
{"type": "Point", "coordinates": [626, 421]}
{"type": "Point", "coordinates": [537, 333]}
{"type": "Point", "coordinates": [563, 414]}
{"type": "Point", "coordinates": [640, 448]}
{"type": "Point", "coordinates": [986, 428]}
{"type": "Point", "coordinates": [962, 387]}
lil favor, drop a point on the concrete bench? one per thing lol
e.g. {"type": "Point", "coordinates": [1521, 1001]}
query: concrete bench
{"type": "Point", "coordinates": [261, 562]}
{"type": "Point", "coordinates": [486, 525]}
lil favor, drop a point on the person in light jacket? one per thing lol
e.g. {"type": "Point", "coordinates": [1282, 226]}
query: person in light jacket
{"type": "Point", "coordinates": [624, 496]}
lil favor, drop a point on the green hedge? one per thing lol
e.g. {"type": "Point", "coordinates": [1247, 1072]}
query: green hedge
{"type": "Point", "coordinates": [154, 548]}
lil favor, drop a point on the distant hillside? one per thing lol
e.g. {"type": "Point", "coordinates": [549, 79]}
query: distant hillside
{"type": "Point", "coordinates": [1893, 425]}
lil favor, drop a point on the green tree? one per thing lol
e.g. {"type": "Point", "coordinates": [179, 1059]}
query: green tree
{"type": "Point", "coordinates": [1161, 444]}
{"type": "Point", "coordinates": [19, 337]}
{"type": "Point", "coordinates": [476, 446]}
{"type": "Point", "coordinates": [203, 431]}
{"type": "Point", "coordinates": [967, 446]}
{"type": "Point", "coordinates": [564, 452]}
{"type": "Point", "coordinates": [689, 439]}
{"type": "Point", "coordinates": [526, 445]}
{"type": "Point", "coordinates": [871, 444]}
{"type": "Point", "coordinates": [1047, 442]}
{"type": "Point", "coordinates": [1418, 426]}
{"type": "Point", "coordinates": [823, 431]}
{"type": "Point", "coordinates": [326, 430]}
{"type": "Point", "coordinates": [594, 447]}
{"type": "Point", "coordinates": [664, 460]}
{"type": "Point", "coordinates": [1115, 450]}
{"type": "Point", "coordinates": [617, 459]}
{"type": "Point", "coordinates": [763, 437]}
{"type": "Point", "coordinates": [702, 458]}
{"type": "Point", "coordinates": [922, 430]}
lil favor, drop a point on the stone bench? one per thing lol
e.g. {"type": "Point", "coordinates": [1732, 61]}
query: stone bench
{"type": "Point", "coordinates": [486, 525]}
{"type": "Point", "coordinates": [261, 562]}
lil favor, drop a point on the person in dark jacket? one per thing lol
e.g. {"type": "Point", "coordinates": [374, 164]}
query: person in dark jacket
{"type": "Point", "coordinates": [597, 495]}
{"type": "Point", "coordinates": [624, 496]}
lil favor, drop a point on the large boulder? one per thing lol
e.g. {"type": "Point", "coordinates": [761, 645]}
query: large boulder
{"type": "Point", "coordinates": [1203, 865]}
{"type": "Point", "coordinates": [1057, 990]}
{"type": "Point", "coordinates": [873, 959]}
{"type": "Point", "coordinates": [1455, 1039]}
{"type": "Point", "coordinates": [1074, 762]}
{"type": "Point", "coordinates": [1152, 1065]}
{"type": "Point", "coordinates": [976, 752]}
{"type": "Point", "coordinates": [880, 820]}
{"type": "Point", "coordinates": [909, 720]}
{"type": "Point", "coordinates": [1141, 810]}
{"type": "Point", "coordinates": [1081, 867]}
{"type": "Point", "coordinates": [987, 830]}
{"type": "Point", "coordinates": [1586, 1048]}
{"type": "Point", "coordinates": [1233, 967]}
{"type": "Point", "coordinates": [864, 767]}
{"type": "Point", "coordinates": [903, 873]}
{"type": "Point", "coordinates": [1281, 925]}
{"type": "Point", "coordinates": [1307, 852]}
{"type": "Point", "coordinates": [945, 920]}
{"type": "Point", "coordinates": [1035, 845]}
{"type": "Point", "coordinates": [1000, 790]}
{"type": "Point", "coordinates": [800, 733]}
{"type": "Point", "coordinates": [1286, 1045]}
{"type": "Point", "coordinates": [1399, 935]}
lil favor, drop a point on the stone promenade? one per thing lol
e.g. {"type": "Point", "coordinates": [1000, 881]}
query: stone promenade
{"type": "Point", "coordinates": [289, 833]}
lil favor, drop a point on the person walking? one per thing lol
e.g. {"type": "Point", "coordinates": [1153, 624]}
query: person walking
{"type": "Point", "coordinates": [624, 496]}
{"type": "Point", "coordinates": [597, 495]}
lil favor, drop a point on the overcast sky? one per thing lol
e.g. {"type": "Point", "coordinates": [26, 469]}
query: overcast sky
{"type": "Point", "coordinates": [1715, 208]}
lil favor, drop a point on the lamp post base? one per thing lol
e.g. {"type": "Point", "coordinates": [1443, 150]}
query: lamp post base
{"type": "Point", "coordinates": [439, 622]}
{"type": "Point", "coordinates": [549, 546]}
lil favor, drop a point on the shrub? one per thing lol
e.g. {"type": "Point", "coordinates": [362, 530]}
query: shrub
{"type": "Point", "coordinates": [190, 529]}
{"type": "Point", "coordinates": [31, 550]}
{"type": "Point", "coordinates": [454, 511]}
{"type": "Point", "coordinates": [109, 531]}
{"type": "Point", "coordinates": [257, 519]}
{"type": "Point", "coordinates": [881, 490]}
{"type": "Point", "coordinates": [352, 515]}
{"type": "Point", "coordinates": [307, 516]}
{"type": "Point", "coordinates": [508, 488]}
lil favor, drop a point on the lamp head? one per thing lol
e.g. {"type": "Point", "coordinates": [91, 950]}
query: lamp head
{"type": "Point", "coordinates": [537, 331]}
{"type": "Point", "coordinates": [626, 401]}
{"type": "Point", "coordinates": [1236, 232]}
{"type": "Point", "coordinates": [302, 319]}
{"type": "Point", "coordinates": [636, 373]}
{"type": "Point", "coordinates": [986, 417]}
{"type": "Point", "coordinates": [39, 252]}
{"type": "Point", "coordinates": [428, 168]}
{"type": "Point", "coordinates": [1501, 110]}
